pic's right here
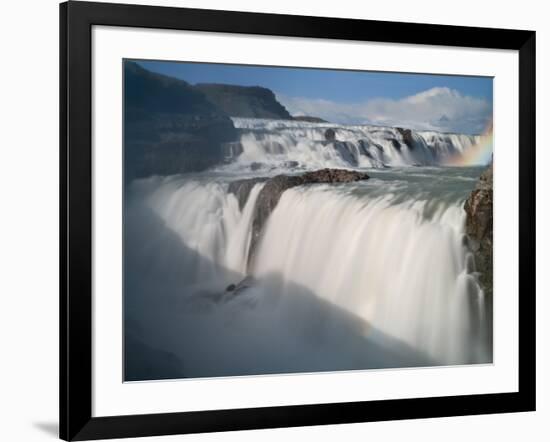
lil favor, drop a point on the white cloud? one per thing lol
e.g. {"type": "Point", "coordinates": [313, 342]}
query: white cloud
{"type": "Point", "coordinates": [439, 108]}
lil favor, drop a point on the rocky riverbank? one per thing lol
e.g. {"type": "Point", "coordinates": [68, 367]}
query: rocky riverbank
{"type": "Point", "coordinates": [479, 228]}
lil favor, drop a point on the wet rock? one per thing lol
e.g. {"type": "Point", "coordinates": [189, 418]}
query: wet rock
{"type": "Point", "coordinates": [274, 187]}
{"type": "Point", "coordinates": [479, 227]}
{"type": "Point", "coordinates": [256, 166]}
{"type": "Point", "coordinates": [395, 144]}
{"type": "Point", "coordinates": [364, 147]}
{"type": "Point", "coordinates": [407, 137]}
{"type": "Point", "coordinates": [291, 164]}
{"type": "Point", "coordinates": [246, 283]}
{"type": "Point", "coordinates": [234, 290]}
{"type": "Point", "coordinates": [330, 135]}
{"type": "Point", "coordinates": [241, 189]}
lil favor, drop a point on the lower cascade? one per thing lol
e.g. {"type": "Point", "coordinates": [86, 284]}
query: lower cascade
{"type": "Point", "coordinates": [375, 273]}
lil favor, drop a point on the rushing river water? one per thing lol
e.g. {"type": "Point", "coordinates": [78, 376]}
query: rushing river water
{"type": "Point", "coordinates": [370, 274]}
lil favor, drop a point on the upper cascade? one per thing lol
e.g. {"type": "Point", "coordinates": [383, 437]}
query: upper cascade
{"type": "Point", "coordinates": [288, 144]}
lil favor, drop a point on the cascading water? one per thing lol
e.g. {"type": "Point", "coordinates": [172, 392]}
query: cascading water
{"type": "Point", "coordinates": [285, 144]}
{"type": "Point", "coordinates": [372, 274]}
{"type": "Point", "coordinates": [404, 273]}
{"type": "Point", "coordinates": [209, 222]}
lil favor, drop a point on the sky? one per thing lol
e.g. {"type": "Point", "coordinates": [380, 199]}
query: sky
{"type": "Point", "coordinates": [418, 101]}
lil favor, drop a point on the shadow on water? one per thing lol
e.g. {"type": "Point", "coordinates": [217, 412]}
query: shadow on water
{"type": "Point", "coordinates": [178, 327]}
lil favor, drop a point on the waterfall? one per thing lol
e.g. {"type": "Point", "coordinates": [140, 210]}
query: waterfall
{"type": "Point", "coordinates": [208, 220]}
{"type": "Point", "coordinates": [291, 144]}
{"type": "Point", "coordinates": [405, 274]}
{"type": "Point", "coordinates": [365, 275]}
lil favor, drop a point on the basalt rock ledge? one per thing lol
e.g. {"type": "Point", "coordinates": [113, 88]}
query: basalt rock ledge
{"type": "Point", "coordinates": [274, 187]}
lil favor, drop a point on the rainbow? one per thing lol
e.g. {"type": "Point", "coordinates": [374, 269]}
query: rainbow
{"type": "Point", "coordinates": [480, 153]}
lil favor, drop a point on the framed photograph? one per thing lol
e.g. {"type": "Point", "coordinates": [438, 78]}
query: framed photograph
{"type": "Point", "coordinates": [274, 220]}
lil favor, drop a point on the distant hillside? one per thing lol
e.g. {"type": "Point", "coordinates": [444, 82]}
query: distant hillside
{"type": "Point", "coordinates": [245, 101]}
{"type": "Point", "coordinates": [309, 119]}
{"type": "Point", "coordinates": [170, 127]}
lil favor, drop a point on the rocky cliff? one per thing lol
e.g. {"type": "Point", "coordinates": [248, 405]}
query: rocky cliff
{"type": "Point", "coordinates": [244, 101]}
{"type": "Point", "coordinates": [170, 127]}
{"type": "Point", "coordinates": [479, 227]}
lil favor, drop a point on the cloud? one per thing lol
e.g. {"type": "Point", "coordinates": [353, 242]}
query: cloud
{"type": "Point", "coordinates": [440, 108]}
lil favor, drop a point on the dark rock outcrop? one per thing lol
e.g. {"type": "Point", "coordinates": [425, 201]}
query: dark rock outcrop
{"type": "Point", "coordinates": [244, 101]}
{"type": "Point", "coordinates": [274, 187]}
{"type": "Point", "coordinates": [241, 189]}
{"type": "Point", "coordinates": [330, 135]}
{"type": "Point", "coordinates": [170, 127]}
{"type": "Point", "coordinates": [308, 119]}
{"type": "Point", "coordinates": [479, 228]}
{"type": "Point", "coordinates": [407, 137]}
{"type": "Point", "coordinates": [241, 286]}
{"type": "Point", "coordinates": [396, 144]}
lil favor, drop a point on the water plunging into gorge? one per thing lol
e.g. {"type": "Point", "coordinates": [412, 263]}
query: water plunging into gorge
{"type": "Point", "coordinates": [366, 274]}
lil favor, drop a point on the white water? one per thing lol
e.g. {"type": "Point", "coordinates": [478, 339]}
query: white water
{"type": "Point", "coordinates": [209, 222]}
{"type": "Point", "coordinates": [403, 274]}
{"type": "Point", "coordinates": [268, 144]}
{"type": "Point", "coordinates": [365, 275]}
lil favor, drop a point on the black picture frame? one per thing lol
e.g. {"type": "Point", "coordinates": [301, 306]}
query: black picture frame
{"type": "Point", "coordinates": [76, 21]}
